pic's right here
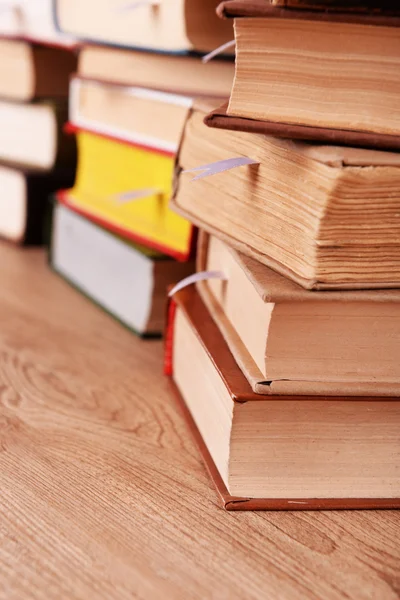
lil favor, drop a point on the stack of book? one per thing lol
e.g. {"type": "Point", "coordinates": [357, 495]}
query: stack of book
{"type": "Point", "coordinates": [36, 157]}
{"type": "Point", "coordinates": [114, 236]}
{"type": "Point", "coordinates": [285, 354]}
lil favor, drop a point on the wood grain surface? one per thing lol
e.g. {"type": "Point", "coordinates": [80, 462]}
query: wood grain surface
{"type": "Point", "coordinates": [103, 494]}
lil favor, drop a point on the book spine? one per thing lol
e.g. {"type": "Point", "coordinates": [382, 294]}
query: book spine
{"type": "Point", "coordinates": [169, 338]}
{"type": "Point", "coordinates": [339, 5]}
{"type": "Point", "coordinates": [39, 188]}
{"type": "Point", "coordinates": [67, 152]}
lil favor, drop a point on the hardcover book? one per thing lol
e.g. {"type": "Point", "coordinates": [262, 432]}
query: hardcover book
{"type": "Point", "coordinates": [305, 74]}
{"type": "Point", "coordinates": [24, 202]}
{"type": "Point", "coordinates": [32, 135]}
{"type": "Point", "coordinates": [185, 75]}
{"type": "Point", "coordinates": [142, 116]}
{"type": "Point", "coordinates": [31, 71]}
{"type": "Point", "coordinates": [278, 452]}
{"type": "Point", "coordinates": [179, 26]}
{"type": "Point", "coordinates": [31, 20]}
{"type": "Point", "coordinates": [288, 340]}
{"type": "Point", "coordinates": [324, 216]}
{"type": "Point", "coordinates": [126, 280]}
{"type": "Point", "coordinates": [126, 187]}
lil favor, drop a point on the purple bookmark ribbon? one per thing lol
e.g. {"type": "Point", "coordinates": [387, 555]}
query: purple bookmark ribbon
{"type": "Point", "coordinates": [133, 195]}
{"type": "Point", "coordinates": [201, 276]}
{"type": "Point", "coordinates": [220, 50]}
{"type": "Point", "coordinates": [220, 166]}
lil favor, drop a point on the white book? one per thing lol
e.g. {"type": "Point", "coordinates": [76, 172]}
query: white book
{"type": "Point", "coordinates": [31, 19]}
{"type": "Point", "coordinates": [126, 280]}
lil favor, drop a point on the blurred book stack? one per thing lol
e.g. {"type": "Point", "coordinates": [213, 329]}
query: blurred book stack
{"type": "Point", "coordinates": [285, 354]}
{"type": "Point", "coordinates": [36, 158]}
{"type": "Point", "coordinates": [139, 68]}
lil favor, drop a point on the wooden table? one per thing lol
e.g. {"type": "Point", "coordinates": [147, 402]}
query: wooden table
{"type": "Point", "coordinates": [103, 495]}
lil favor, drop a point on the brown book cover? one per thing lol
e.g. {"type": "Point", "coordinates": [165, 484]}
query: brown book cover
{"type": "Point", "coordinates": [212, 341]}
{"type": "Point", "coordinates": [219, 119]}
{"type": "Point", "coordinates": [387, 14]}
{"type": "Point", "coordinates": [340, 5]}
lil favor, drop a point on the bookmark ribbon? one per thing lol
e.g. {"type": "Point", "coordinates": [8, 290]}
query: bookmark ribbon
{"type": "Point", "coordinates": [200, 276]}
{"type": "Point", "coordinates": [220, 166]}
{"type": "Point", "coordinates": [133, 5]}
{"type": "Point", "coordinates": [220, 50]}
{"type": "Point", "coordinates": [134, 195]}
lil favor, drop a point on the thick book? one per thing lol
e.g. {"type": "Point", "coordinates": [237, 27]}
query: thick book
{"type": "Point", "coordinates": [30, 71]}
{"type": "Point", "coordinates": [326, 76]}
{"type": "Point", "coordinates": [32, 20]}
{"type": "Point", "coordinates": [185, 75]}
{"type": "Point", "coordinates": [287, 340]}
{"type": "Point", "coordinates": [32, 134]}
{"type": "Point", "coordinates": [128, 281]}
{"type": "Point", "coordinates": [324, 216]}
{"type": "Point", "coordinates": [180, 26]}
{"type": "Point", "coordinates": [24, 202]}
{"type": "Point", "coordinates": [278, 452]}
{"type": "Point", "coordinates": [125, 187]}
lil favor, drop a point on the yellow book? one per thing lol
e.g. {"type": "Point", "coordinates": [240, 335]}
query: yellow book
{"type": "Point", "coordinates": [127, 188]}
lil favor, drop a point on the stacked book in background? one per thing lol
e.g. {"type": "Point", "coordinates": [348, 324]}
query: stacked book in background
{"type": "Point", "coordinates": [36, 158]}
{"type": "Point", "coordinates": [32, 20]}
{"type": "Point", "coordinates": [114, 235]}
{"type": "Point", "coordinates": [286, 354]}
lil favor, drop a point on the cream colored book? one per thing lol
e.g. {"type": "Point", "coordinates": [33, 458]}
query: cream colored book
{"type": "Point", "coordinates": [288, 340]}
{"type": "Point", "coordinates": [278, 452]}
{"type": "Point", "coordinates": [168, 25]}
{"type": "Point", "coordinates": [30, 71]}
{"type": "Point", "coordinates": [324, 216]}
{"type": "Point", "coordinates": [171, 73]}
{"type": "Point", "coordinates": [317, 74]}
{"type": "Point", "coordinates": [32, 20]}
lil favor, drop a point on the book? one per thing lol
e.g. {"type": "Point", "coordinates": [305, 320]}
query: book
{"type": "Point", "coordinates": [29, 71]}
{"type": "Point", "coordinates": [126, 280]}
{"type": "Point", "coordinates": [126, 188]}
{"type": "Point", "coordinates": [145, 117]}
{"type": "Point", "coordinates": [185, 75]}
{"type": "Point", "coordinates": [278, 452]}
{"type": "Point", "coordinates": [24, 202]}
{"type": "Point", "coordinates": [32, 134]}
{"type": "Point", "coordinates": [323, 216]}
{"type": "Point", "coordinates": [312, 72]}
{"type": "Point", "coordinates": [31, 20]}
{"type": "Point", "coordinates": [184, 26]}
{"type": "Point", "coordinates": [288, 340]}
